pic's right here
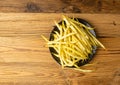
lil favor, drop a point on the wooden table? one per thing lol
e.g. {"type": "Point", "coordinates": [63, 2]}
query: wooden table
{"type": "Point", "coordinates": [24, 59]}
{"type": "Point", "coordinates": [58, 6]}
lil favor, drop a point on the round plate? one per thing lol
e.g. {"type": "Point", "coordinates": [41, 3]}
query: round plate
{"type": "Point", "coordinates": [80, 63]}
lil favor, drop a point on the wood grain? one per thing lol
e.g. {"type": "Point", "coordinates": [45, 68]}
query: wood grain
{"type": "Point", "coordinates": [60, 6]}
{"type": "Point", "coordinates": [24, 59]}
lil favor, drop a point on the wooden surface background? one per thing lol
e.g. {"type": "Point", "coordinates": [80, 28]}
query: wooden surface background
{"type": "Point", "coordinates": [58, 6]}
{"type": "Point", "coordinates": [24, 59]}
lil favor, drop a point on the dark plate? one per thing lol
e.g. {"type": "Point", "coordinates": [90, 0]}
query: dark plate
{"type": "Point", "coordinates": [52, 50]}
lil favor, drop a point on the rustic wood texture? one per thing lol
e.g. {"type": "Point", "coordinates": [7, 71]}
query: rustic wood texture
{"type": "Point", "coordinates": [24, 59]}
{"type": "Point", "coordinates": [65, 6]}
